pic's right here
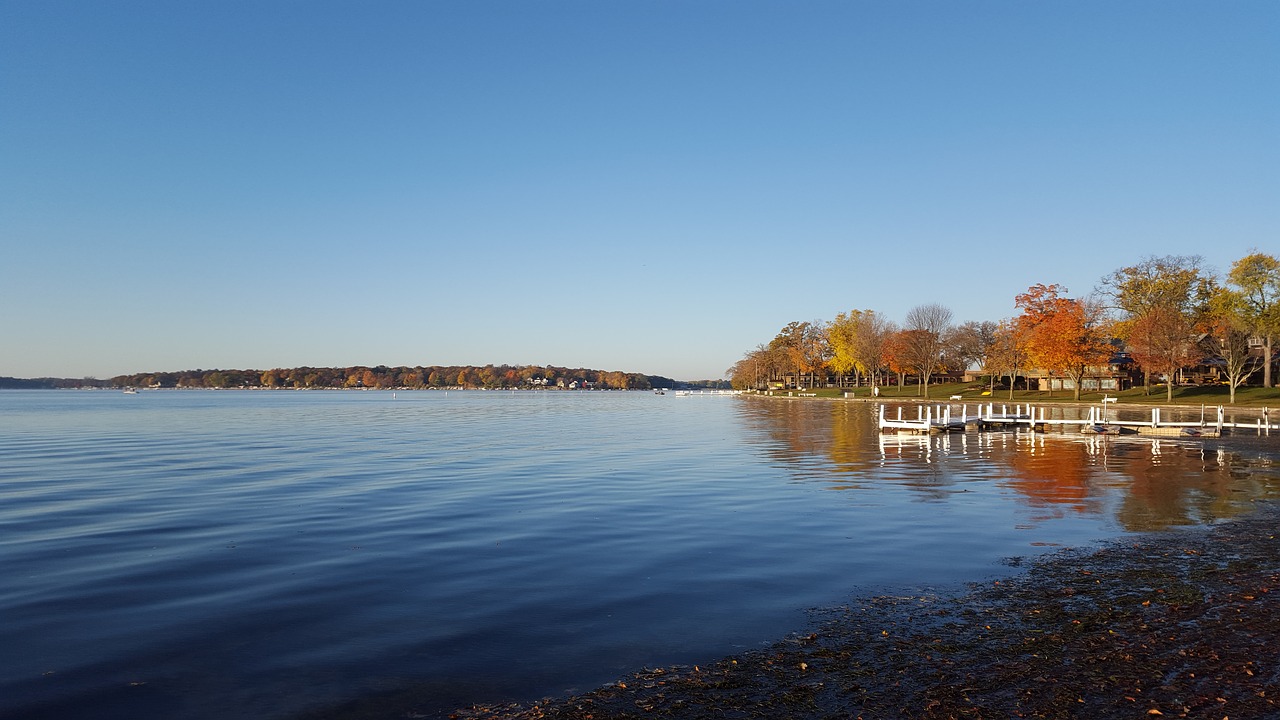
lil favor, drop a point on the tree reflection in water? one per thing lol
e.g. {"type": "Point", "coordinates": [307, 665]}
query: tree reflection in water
{"type": "Point", "coordinates": [1140, 483]}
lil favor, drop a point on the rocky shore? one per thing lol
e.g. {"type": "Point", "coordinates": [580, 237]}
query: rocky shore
{"type": "Point", "coordinates": [1183, 624]}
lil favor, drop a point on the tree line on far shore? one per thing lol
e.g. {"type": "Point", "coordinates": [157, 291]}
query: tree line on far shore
{"type": "Point", "coordinates": [1165, 313]}
{"type": "Point", "coordinates": [405, 377]}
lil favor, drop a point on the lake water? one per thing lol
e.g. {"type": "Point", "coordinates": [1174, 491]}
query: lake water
{"type": "Point", "coordinates": [204, 554]}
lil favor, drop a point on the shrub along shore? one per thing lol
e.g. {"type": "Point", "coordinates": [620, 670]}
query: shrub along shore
{"type": "Point", "coordinates": [1182, 624]}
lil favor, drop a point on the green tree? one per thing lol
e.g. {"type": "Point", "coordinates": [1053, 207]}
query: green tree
{"type": "Point", "coordinates": [1256, 277]}
{"type": "Point", "coordinates": [1230, 330]}
{"type": "Point", "coordinates": [1155, 297]}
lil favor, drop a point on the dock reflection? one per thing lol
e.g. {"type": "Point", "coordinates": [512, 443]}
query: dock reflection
{"type": "Point", "coordinates": [1141, 483]}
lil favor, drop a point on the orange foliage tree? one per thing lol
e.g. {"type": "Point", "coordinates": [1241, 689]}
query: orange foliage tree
{"type": "Point", "coordinates": [1008, 353]}
{"type": "Point", "coordinates": [1063, 335]}
{"type": "Point", "coordinates": [1162, 342]}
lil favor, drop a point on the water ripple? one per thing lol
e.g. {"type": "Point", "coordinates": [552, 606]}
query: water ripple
{"type": "Point", "coordinates": [258, 554]}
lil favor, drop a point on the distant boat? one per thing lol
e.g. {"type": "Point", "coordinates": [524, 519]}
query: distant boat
{"type": "Point", "coordinates": [130, 391]}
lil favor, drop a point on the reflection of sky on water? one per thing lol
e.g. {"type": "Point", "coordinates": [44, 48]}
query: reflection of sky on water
{"type": "Point", "coordinates": [1140, 483]}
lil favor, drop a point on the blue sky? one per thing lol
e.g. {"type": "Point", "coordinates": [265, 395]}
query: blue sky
{"type": "Point", "coordinates": [648, 186]}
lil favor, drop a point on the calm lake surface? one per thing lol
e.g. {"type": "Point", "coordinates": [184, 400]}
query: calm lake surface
{"type": "Point", "coordinates": [204, 554]}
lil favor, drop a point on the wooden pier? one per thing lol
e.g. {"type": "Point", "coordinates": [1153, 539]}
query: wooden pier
{"type": "Point", "coordinates": [933, 419]}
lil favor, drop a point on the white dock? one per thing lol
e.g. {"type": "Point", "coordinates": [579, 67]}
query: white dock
{"type": "Point", "coordinates": [929, 419]}
{"type": "Point", "coordinates": [932, 419]}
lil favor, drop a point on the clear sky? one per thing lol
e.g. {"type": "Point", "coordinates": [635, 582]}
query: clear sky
{"type": "Point", "coordinates": [651, 186]}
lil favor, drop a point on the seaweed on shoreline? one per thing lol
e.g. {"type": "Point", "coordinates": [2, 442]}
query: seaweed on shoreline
{"type": "Point", "coordinates": [1185, 624]}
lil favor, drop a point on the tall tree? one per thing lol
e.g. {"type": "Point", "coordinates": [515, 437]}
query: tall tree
{"type": "Point", "coordinates": [871, 335]}
{"type": "Point", "coordinates": [1161, 341]}
{"type": "Point", "coordinates": [1230, 332]}
{"type": "Point", "coordinates": [817, 351]}
{"type": "Point", "coordinates": [1156, 282]}
{"type": "Point", "coordinates": [756, 367]}
{"type": "Point", "coordinates": [1166, 286]}
{"type": "Point", "coordinates": [805, 345]}
{"type": "Point", "coordinates": [1063, 335]}
{"type": "Point", "coordinates": [787, 345]}
{"type": "Point", "coordinates": [895, 357]}
{"type": "Point", "coordinates": [1257, 278]}
{"type": "Point", "coordinates": [1008, 353]}
{"type": "Point", "coordinates": [928, 326]}
{"type": "Point", "coordinates": [971, 344]}
{"type": "Point", "coordinates": [842, 339]}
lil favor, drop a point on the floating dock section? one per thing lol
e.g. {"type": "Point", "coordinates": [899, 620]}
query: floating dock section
{"type": "Point", "coordinates": [929, 419]}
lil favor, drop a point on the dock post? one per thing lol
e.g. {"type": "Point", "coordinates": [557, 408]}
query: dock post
{"type": "Point", "coordinates": [1221, 414]}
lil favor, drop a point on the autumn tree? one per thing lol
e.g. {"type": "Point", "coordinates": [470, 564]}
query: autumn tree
{"type": "Point", "coordinates": [747, 372]}
{"type": "Point", "coordinates": [787, 346]}
{"type": "Point", "coordinates": [1256, 277]}
{"type": "Point", "coordinates": [758, 366]}
{"type": "Point", "coordinates": [856, 343]}
{"type": "Point", "coordinates": [871, 334]}
{"type": "Point", "coordinates": [1161, 341]}
{"type": "Point", "coordinates": [817, 351]}
{"type": "Point", "coordinates": [775, 362]}
{"type": "Point", "coordinates": [1008, 353]}
{"type": "Point", "coordinates": [1063, 335]}
{"type": "Point", "coordinates": [927, 327]}
{"type": "Point", "coordinates": [895, 354]}
{"type": "Point", "coordinates": [1172, 281]}
{"type": "Point", "coordinates": [842, 339]}
{"type": "Point", "coordinates": [971, 344]}
{"type": "Point", "coordinates": [805, 346]}
{"type": "Point", "coordinates": [1159, 295]}
{"type": "Point", "coordinates": [1230, 331]}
